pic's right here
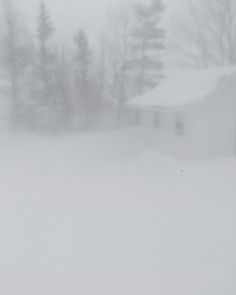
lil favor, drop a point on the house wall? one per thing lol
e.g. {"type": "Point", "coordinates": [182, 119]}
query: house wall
{"type": "Point", "coordinates": [179, 143]}
{"type": "Point", "coordinates": [209, 125]}
{"type": "Point", "coordinates": [4, 109]}
{"type": "Point", "coordinates": [168, 138]}
{"type": "Point", "coordinates": [209, 130]}
{"type": "Point", "coordinates": [216, 131]}
{"type": "Point", "coordinates": [215, 121]}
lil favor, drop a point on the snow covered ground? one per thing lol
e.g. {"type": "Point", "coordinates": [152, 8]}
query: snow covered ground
{"type": "Point", "coordinates": [103, 214]}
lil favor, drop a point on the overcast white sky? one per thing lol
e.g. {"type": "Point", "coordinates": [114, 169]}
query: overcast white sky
{"type": "Point", "coordinates": [69, 15]}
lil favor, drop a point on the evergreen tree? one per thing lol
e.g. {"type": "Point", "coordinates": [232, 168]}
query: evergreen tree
{"type": "Point", "coordinates": [61, 93]}
{"type": "Point", "coordinates": [15, 58]}
{"type": "Point", "coordinates": [99, 87]}
{"type": "Point", "coordinates": [46, 109]}
{"type": "Point", "coordinates": [101, 73]}
{"type": "Point", "coordinates": [84, 101]}
{"type": "Point", "coordinates": [147, 42]}
{"type": "Point", "coordinates": [45, 31]}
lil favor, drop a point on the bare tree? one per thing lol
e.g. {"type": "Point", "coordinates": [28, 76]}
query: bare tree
{"type": "Point", "coordinates": [118, 55]}
{"type": "Point", "coordinates": [206, 33]}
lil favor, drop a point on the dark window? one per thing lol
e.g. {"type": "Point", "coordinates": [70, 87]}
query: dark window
{"type": "Point", "coordinates": [156, 120]}
{"type": "Point", "coordinates": [179, 123]}
{"type": "Point", "coordinates": [137, 117]}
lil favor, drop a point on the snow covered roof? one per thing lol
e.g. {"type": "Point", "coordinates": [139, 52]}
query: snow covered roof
{"type": "Point", "coordinates": [179, 88]}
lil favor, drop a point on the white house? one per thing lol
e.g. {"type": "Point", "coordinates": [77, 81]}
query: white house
{"type": "Point", "coordinates": [193, 112]}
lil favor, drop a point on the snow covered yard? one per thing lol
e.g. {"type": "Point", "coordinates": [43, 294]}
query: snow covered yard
{"type": "Point", "coordinates": [102, 214]}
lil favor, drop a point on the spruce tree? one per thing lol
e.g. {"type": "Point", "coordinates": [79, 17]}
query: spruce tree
{"type": "Point", "coordinates": [45, 31]}
{"type": "Point", "coordinates": [61, 93]}
{"type": "Point", "coordinates": [45, 111]}
{"type": "Point", "coordinates": [147, 43]}
{"type": "Point", "coordinates": [83, 81]}
{"type": "Point", "coordinates": [15, 59]}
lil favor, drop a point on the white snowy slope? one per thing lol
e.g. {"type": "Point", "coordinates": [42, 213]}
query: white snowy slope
{"type": "Point", "coordinates": [100, 214]}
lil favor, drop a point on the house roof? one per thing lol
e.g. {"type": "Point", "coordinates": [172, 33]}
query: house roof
{"type": "Point", "coordinates": [184, 87]}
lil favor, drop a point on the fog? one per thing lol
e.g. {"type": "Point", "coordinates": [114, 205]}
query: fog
{"type": "Point", "coordinates": [117, 147]}
{"type": "Point", "coordinates": [73, 14]}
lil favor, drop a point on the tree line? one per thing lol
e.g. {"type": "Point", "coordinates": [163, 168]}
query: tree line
{"type": "Point", "coordinates": [204, 34]}
{"type": "Point", "coordinates": [59, 88]}
{"type": "Point", "coordinates": [54, 86]}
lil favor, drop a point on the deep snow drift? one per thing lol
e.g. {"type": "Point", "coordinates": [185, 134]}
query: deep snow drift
{"type": "Point", "coordinates": [102, 214]}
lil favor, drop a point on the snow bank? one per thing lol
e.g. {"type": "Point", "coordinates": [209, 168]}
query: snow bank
{"type": "Point", "coordinates": [99, 214]}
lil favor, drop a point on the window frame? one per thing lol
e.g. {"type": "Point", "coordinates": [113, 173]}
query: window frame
{"type": "Point", "coordinates": [180, 123]}
{"type": "Point", "coordinates": [156, 119]}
